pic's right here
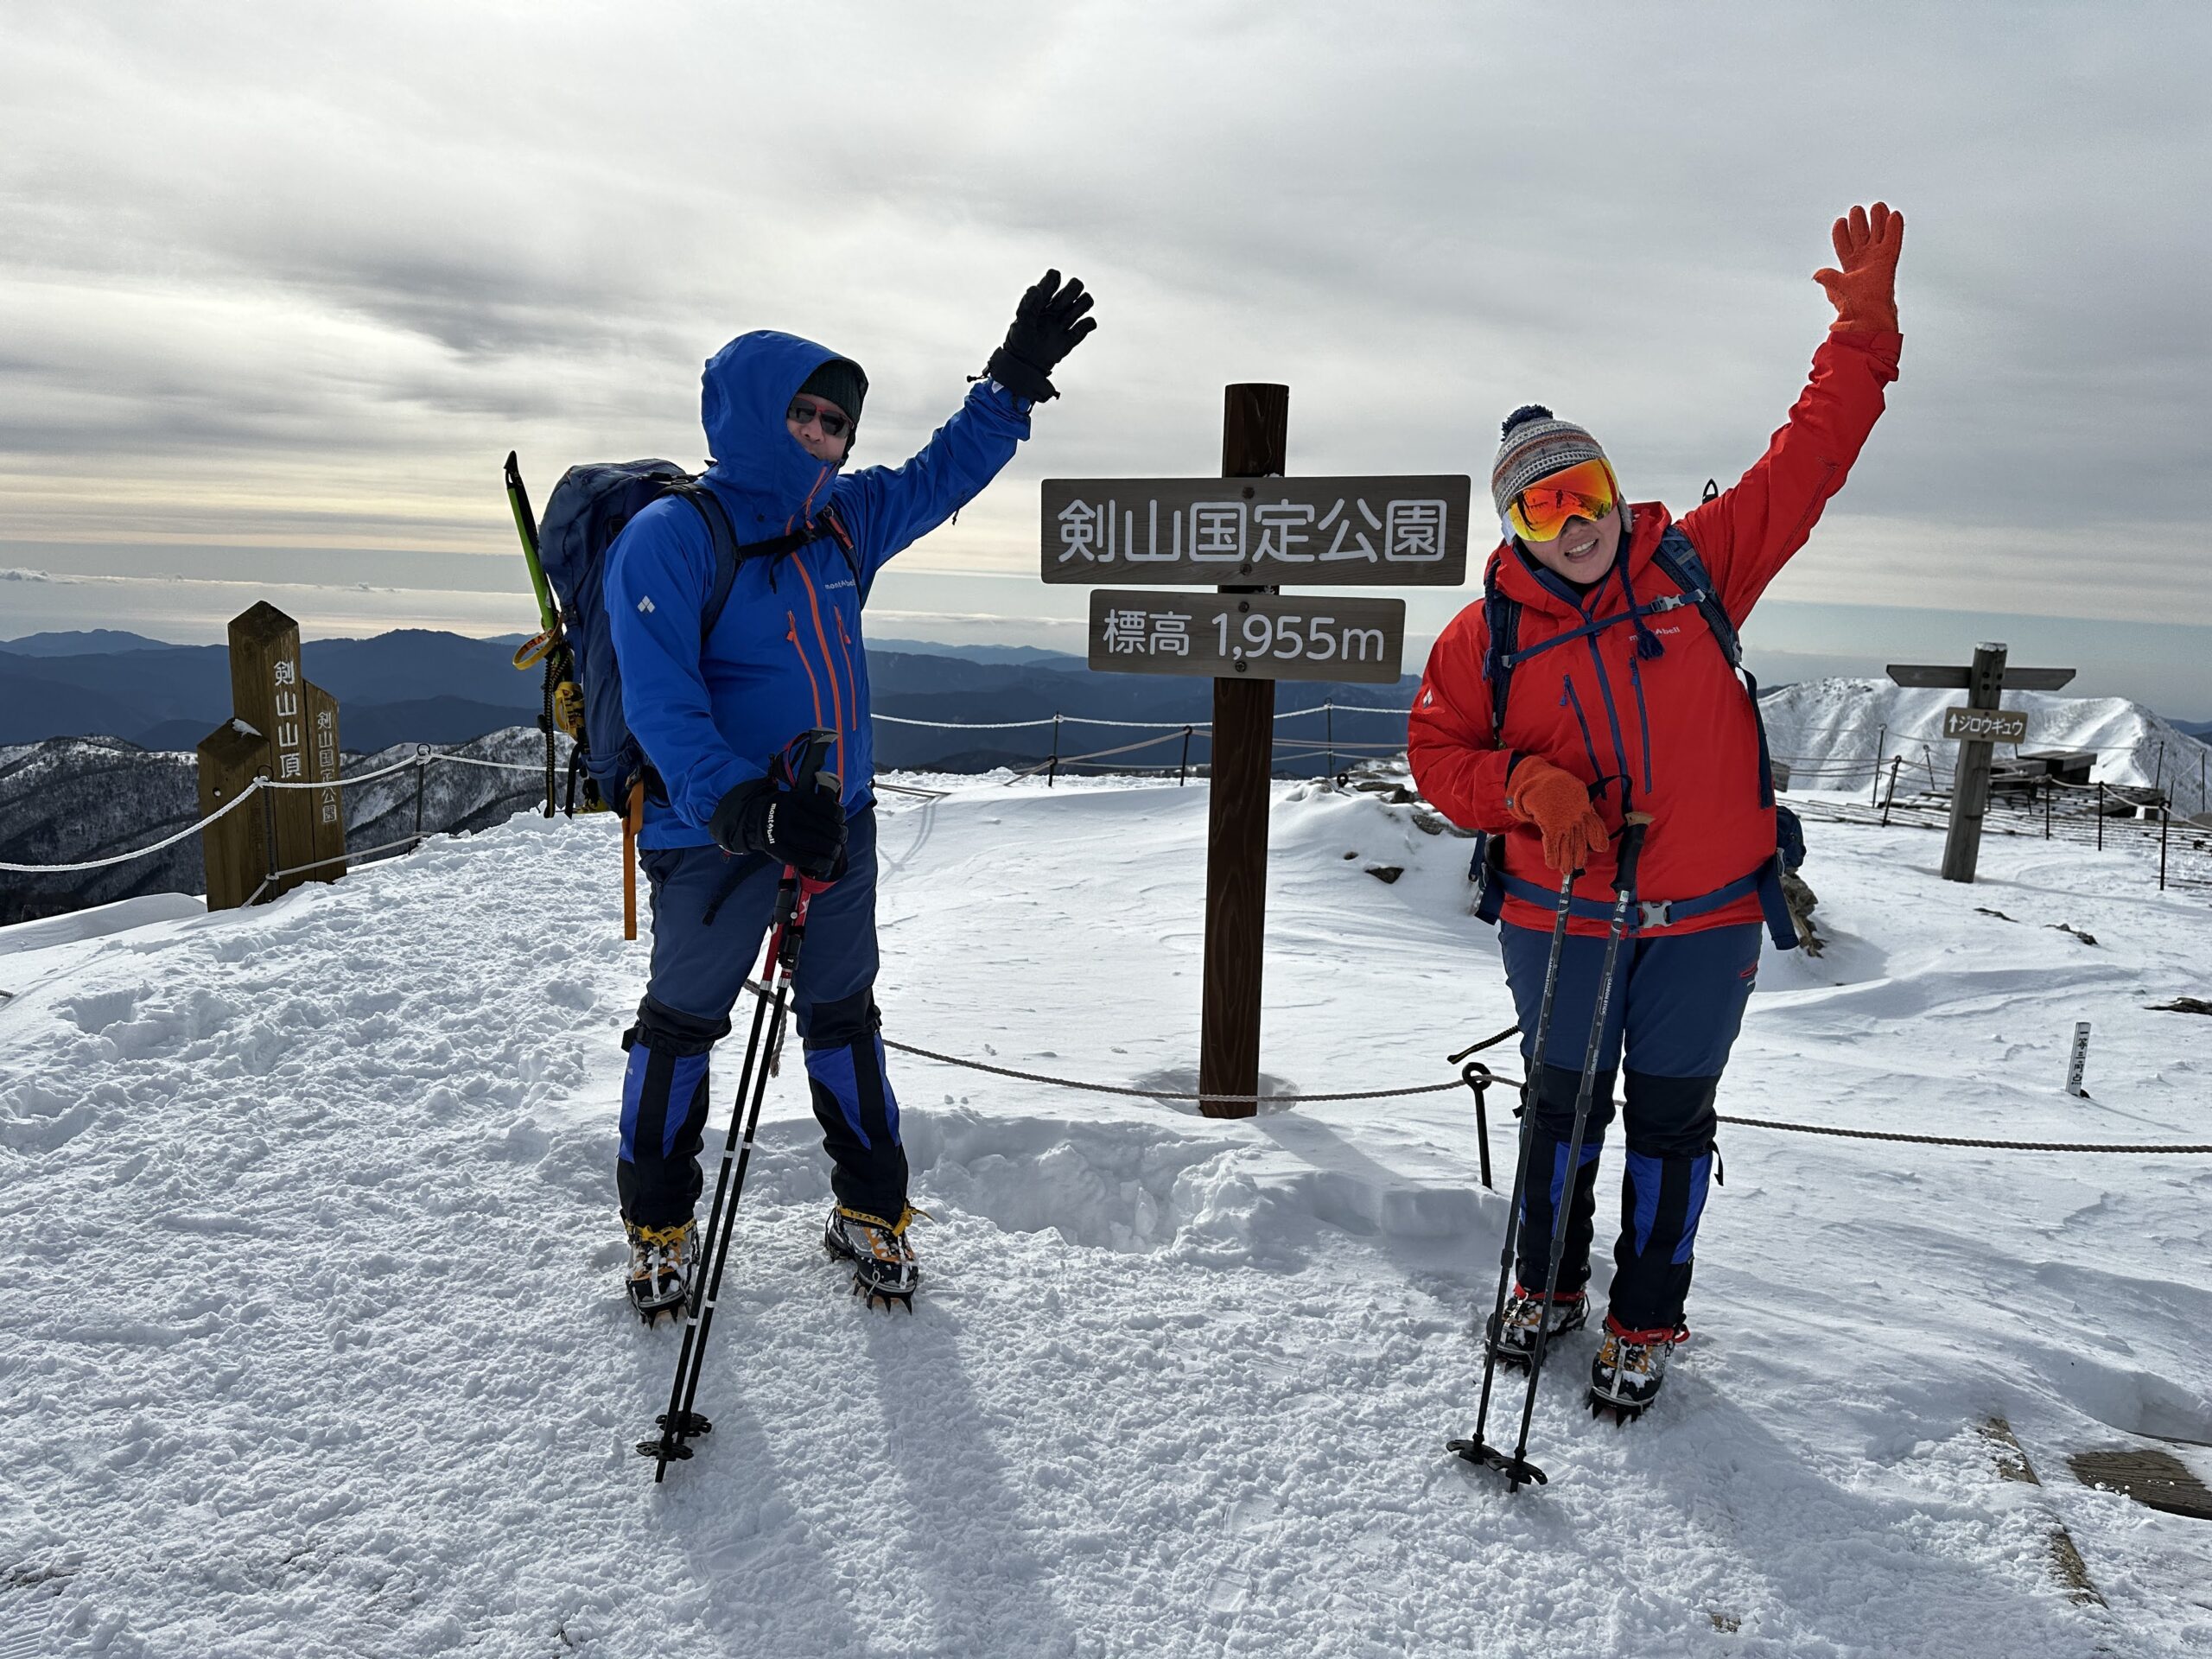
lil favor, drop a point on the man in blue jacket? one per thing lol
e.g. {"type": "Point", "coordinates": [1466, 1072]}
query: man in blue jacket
{"type": "Point", "coordinates": [713, 716]}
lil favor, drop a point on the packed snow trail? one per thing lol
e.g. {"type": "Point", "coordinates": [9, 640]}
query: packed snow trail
{"type": "Point", "coordinates": [312, 1332]}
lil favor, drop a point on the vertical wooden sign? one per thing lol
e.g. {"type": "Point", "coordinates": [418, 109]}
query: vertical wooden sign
{"type": "Point", "coordinates": [286, 728]}
{"type": "Point", "coordinates": [328, 845]}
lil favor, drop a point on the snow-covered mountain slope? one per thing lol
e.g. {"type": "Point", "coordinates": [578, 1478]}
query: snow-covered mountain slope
{"type": "Point", "coordinates": [313, 1343]}
{"type": "Point", "coordinates": [1834, 726]}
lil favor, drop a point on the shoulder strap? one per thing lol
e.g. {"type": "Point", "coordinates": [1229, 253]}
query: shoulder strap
{"type": "Point", "coordinates": [729, 552]}
{"type": "Point", "coordinates": [1678, 556]}
{"type": "Point", "coordinates": [1502, 612]}
{"type": "Point", "coordinates": [721, 535]}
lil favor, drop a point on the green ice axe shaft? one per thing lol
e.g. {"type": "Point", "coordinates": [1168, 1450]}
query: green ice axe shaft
{"type": "Point", "coordinates": [526, 527]}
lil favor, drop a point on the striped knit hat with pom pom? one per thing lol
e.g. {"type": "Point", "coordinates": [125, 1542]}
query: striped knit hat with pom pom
{"type": "Point", "coordinates": [1537, 443]}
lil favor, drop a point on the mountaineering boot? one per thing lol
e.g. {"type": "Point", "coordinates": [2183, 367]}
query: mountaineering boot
{"type": "Point", "coordinates": [661, 1260]}
{"type": "Point", "coordinates": [883, 1262]}
{"type": "Point", "coordinates": [1513, 1332]}
{"type": "Point", "coordinates": [1624, 1378]}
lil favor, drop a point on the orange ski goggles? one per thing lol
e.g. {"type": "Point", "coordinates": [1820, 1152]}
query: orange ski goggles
{"type": "Point", "coordinates": [1585, 490]}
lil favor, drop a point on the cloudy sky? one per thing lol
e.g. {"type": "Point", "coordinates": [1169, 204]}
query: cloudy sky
{"type": "Point", "coordinates": [281, 285]}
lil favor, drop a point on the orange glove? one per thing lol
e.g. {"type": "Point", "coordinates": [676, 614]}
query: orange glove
{"type": "Point", "coordinates": [1557, 803]}
{"type": "Point", "coordinates": [1865, 292]}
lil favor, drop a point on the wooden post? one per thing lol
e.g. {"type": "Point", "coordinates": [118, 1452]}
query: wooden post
{"type": "Point", "coordinates": [1255, 444]}
{"type": "Point", "coordinates": [328, 848]}
{"type": "Point", "coordinates": [267, 693]}
{"type": "Point", "coordinates": [1970, 779]}
{"type": "Point", "coordinates": [232, 849]}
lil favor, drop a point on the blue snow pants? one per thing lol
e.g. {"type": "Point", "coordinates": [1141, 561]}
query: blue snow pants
{"type": "Point", "coordinates": [1677, 1003]}
{"type": "Point", "coordinates": [710, 913]}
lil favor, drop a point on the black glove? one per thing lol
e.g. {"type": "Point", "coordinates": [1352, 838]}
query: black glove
{"type": "Point", "coordinates": [1048, 324]}
{"type": "Point", "coordinates": [802, 827]}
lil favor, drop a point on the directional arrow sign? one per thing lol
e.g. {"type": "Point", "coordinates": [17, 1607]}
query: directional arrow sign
{"type": "Point", "coordinates": [1986, 725]}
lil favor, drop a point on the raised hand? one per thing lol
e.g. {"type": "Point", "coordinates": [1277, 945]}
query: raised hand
{"type": "Point", "coordinates": [1048, 324]}
{"type": "Point", "coordinates": [1865, 291]}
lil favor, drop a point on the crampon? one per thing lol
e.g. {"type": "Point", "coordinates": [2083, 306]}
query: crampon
{"type": "Point", "coordinates": [884, 1265]}
{"type": "Point", "coordinates": [1625, 1376]}
{"type": "Point", "coordinates": [661, 1263]}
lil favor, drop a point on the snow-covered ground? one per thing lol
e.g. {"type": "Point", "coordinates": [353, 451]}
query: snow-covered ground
{"type": "Point", "coordinates": [312, 1337]}
{"type": "Point", "coordinates": [1835, 732]}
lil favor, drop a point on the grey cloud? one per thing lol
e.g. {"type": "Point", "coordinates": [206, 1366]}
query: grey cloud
{"type": "Point", "coordinates": [378, 242]}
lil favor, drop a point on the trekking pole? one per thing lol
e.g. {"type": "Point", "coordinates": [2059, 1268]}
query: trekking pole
{"type": "Point", "coordinates": [1516, 1469]}
{"type": "Point", "coordinates": [794, 894]}
{"type": "Point", "coordinates": [1473, 1448]}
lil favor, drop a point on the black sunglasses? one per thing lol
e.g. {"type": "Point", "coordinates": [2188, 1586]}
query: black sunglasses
{"type": "Point", "coordinates": [833, 424]}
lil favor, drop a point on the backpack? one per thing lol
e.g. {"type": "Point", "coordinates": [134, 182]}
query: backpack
{"type": "Point", "coordinates": [1679, 561]}
{"type": "Point", "coordinates": [591, 506]}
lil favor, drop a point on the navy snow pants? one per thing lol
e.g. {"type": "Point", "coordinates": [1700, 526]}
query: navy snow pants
{"type": "Point", "coordinates": [1678, 1001]}
{"type": "Point", "coordinates": [710, 913]}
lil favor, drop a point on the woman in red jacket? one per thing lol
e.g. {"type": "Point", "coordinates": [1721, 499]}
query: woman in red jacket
{"type": "Point", "coordinates": [1612, 627]}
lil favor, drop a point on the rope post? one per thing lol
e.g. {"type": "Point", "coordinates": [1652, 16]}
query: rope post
{"type": "Point", "coordinates": [2165, 821]}
{"type": "Point", "coordinates": [421, 771]}
{"type": "Point", "coordinates": [1329, 720]}
{"type": "Point", "coordinates": [2050, 793]}
{"type": "Point", "coordinates": [1896, 765]}
{"type": "Point", "coordinates": [2100, 815]}
{"type": "Point", "coordinates": [1874, 783]}
{"type": "Point", "coordinates": [268, 827]}
{"type": "Point", "coordinates": [1052, 775]}
{"type": "Point", "coordinates": [1476, 1077]}
{"type": "Point", "coordinates": [1183, 766]}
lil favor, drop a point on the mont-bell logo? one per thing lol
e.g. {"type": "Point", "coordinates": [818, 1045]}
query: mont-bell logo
{"type": "Point", "coordinates": [645, 605]}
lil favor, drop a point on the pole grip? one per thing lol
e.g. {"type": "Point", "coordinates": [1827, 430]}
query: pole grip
{"type": "Point", "coordinates": [1632, 828]}
{"type": "Point", "coordinates": [804, 763]}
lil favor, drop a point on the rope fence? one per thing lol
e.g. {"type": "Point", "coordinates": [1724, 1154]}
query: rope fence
{"type": "Point", "coordinates": [1479, 1078]}
{"type": "Point", "coordinates": [421, 759]}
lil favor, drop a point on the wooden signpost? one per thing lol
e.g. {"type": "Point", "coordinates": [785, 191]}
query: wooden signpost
{"type": "Point", "coordinates": [286, 729]}
{"type": "Point", "coordinates": [1976, 726]}
{"type": "Point", "coordinates": [1244, 534]}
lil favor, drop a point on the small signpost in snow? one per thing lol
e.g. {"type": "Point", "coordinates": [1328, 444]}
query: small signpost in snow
{"type": "Point", "coordinates": [1244, 532]}
{"type": "Point", "coordinates": [2078, 1066]}
{"type": "Point", "coordinates": [1975, 728]}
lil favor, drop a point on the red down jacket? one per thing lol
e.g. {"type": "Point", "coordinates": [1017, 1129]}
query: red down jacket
{"type": "Point", "coordinates": [1678, 727]}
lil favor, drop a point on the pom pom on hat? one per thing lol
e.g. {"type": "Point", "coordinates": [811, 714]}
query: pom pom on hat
{"type": "Point", "coordinates": [1537, 443]}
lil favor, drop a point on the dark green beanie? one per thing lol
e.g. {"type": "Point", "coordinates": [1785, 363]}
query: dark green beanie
{"type": "Point", "coordinates": [841, 381]}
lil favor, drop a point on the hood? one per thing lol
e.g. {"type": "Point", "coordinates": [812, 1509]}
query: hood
{"type": "Point", "coordinates": [1531, 584]}
{"type": "Point", "coordinates": [743, 394]}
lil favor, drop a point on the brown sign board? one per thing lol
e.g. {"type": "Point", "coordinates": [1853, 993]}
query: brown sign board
{"type": "Point", "coordinates": [1955, 679]}
{"type": "Point", "coordinates": [1388, 532]}
{"type": "Point", "coordinates": [1256, 636]}
{"type": "Point", "coordinates": [1986, 725]}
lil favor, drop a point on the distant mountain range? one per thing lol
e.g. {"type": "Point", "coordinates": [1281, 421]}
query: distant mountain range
{"type": "Point", "coordinates": [96, 731]}
{"type": "Point", "coordinates": [416, 686]}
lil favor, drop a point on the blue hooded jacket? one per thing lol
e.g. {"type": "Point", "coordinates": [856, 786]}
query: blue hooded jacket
{"type": "Point", "coordinates": [785, 655]}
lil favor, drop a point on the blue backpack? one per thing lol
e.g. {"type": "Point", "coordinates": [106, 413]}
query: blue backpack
{"type": "Point", "coordinates": [591, 505]}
